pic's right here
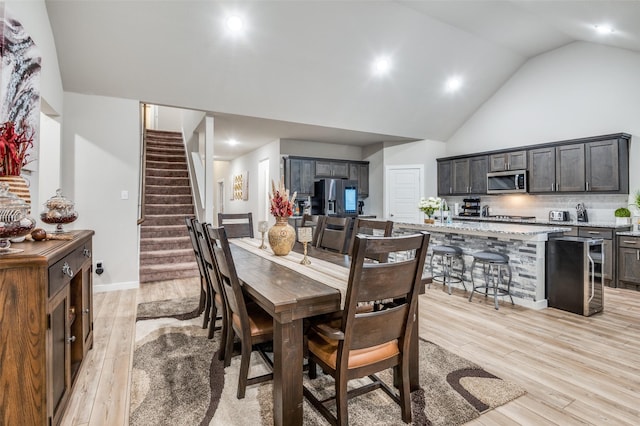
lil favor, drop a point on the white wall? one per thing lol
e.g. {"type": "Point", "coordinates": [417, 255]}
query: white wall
{"type": "Point", "coordinates": [579, 90]}
{"type": "Point", "coordinates": [169, 119]}
{"type": "Point", "coordinates": [249, 163]}
{"type": "Point", "coordinates": [49, 166]}
{"type": "Point", "coordinates": [320, 150]}
{"type": "Point", "coordinates": [421, 152]}
{"type": "Point", "coordinates": [101, 158]}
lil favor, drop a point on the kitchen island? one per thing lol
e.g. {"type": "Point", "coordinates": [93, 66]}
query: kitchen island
{"type": "Point", "coordinates": [524, 244]}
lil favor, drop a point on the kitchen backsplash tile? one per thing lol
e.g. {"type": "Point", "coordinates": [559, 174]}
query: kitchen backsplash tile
{"type": "Point", "coordinates": [600, 207]}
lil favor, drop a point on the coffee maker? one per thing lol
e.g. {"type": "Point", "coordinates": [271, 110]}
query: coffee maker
{"type": "Point", "coordinates": [581, 213]}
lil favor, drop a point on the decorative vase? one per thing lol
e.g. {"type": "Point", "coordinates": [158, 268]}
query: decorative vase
{"type": "Point", "coordinates": [282, 236]}
{"type": "Point", "coordinates": [429, 220]}
{"type": "Point", "coordinates": [20, 187]}
{"type": "Point", "coordinates": [621, 221]}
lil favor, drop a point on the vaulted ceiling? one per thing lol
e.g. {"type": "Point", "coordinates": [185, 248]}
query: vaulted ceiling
{"type": "Point", "coordinates": [302, 69]}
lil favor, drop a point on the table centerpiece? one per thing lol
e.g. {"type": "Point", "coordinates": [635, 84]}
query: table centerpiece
{"type": "Point", "coordinates": [281, 236]}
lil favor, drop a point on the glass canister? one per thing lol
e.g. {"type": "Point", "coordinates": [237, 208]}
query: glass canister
{"type": "Point", "coordinates": [14, 219]}
{"type": "Point", "coordinates": [58, 211]}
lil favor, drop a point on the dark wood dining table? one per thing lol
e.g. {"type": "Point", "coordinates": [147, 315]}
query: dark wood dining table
{"type": "Point", "coordinates": [289, 297]}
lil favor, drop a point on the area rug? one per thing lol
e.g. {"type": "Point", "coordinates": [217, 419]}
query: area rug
{"type": "Point", "coordinates": [178, 380]}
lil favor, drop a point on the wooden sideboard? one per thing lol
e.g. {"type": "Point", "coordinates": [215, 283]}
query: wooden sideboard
{"type": "Point", "coordinates": [46, 327]}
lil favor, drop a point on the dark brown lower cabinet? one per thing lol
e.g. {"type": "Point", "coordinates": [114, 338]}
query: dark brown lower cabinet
{"type": "Point", "coordinates": [46, 327]}
{"type": "Point", "coordinates": [629, 262]}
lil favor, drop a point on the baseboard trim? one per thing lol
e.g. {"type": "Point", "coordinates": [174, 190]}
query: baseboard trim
{"type": "Point", "coordinates": [130, 285]}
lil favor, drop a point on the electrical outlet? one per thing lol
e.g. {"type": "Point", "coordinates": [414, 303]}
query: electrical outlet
{"type": "Point", "coordinates": [99, 267]}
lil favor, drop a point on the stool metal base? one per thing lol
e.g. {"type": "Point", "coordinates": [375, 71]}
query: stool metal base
{"type": "Point", "coordinates": [447, 277]}
{"type": "Point", "coordinates": [494, 277]}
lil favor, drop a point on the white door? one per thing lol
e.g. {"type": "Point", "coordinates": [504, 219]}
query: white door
{"type": "Point", "coordinates": [403, 192]}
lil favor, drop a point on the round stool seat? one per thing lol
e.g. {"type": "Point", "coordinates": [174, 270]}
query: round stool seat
{"type": "Point", "coordinates": [452, 250]}
{"type": "Point", "coordinates": [491, 256]}
{"type": "Point", "coordinates": [448, 254]}
{"type": "Point", "coordinates": [494, 268]}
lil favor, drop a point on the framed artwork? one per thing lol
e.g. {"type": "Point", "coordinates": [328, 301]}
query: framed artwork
{"type": "Point", "coordinates": [240, 190]}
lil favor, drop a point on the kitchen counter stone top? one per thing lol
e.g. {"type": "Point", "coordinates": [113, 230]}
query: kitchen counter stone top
{"type": "Point", "coordinates": [629, 233]}
{"type": "Point", "coordinates": [506, 230]}
{"type": "Point", "coordinates": [571, 223]}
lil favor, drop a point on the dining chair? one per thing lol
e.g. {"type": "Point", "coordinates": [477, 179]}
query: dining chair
{"type": "Point", "coordinates": [218, 303]}
{"type": "Point", "coordinates": [236, 225]}
{"type": "Point", "coordinates": [333, 233]}
{"type": "Point", "coordinates": [382, 228]}
{"type": "Point", "coordinates": [315, 222]}
{"type": "Point", "coordinates": [248, 321]}
{"type": "Point", "coordinates": [359, 344]}
{"type": "Point", "coordinates": [205, 289]}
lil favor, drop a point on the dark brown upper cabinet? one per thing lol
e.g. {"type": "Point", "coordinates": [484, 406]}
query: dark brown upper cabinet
{"type": "Point", "coordinates": [515, 160]}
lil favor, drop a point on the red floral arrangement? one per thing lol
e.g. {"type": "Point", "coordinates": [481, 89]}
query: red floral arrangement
{"type": "Point", "coordinates": [281, 206]}
{"type": "Point", "coordinates": [14, 145]}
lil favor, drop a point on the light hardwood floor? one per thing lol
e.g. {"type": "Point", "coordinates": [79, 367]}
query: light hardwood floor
{"type": "Point", "coordinates": [576, 370]}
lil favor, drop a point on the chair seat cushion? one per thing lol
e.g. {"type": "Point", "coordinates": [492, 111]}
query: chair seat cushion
{"type": "Point", "coordinates": [260, 322]}
{"type": "Point", "coordinates": [327, 349]}
{"type": "Point", "coordinates": [491, 256]}
{"type": "Point", "coordinates": [218, 300]}
{"type": "Point", "coordinates": [446, 250]}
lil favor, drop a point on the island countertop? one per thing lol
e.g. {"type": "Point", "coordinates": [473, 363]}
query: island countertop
{"type": "Point", "coordinates": [510, 230]}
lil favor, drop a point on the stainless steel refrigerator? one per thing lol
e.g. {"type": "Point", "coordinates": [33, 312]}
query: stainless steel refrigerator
{"type": "Point", "coordinates": [335, 197]}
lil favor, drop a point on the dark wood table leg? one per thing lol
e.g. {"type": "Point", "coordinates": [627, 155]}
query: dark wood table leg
{"type": "Point", "coordinates": [287, 372]}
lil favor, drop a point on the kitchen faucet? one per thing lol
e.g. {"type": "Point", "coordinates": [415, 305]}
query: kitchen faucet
{"type": "Point", "coordinates": [443, 204]}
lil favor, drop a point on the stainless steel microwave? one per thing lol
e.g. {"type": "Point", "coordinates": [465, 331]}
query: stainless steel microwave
{"type": "Point", "coordinates": [510, 181]}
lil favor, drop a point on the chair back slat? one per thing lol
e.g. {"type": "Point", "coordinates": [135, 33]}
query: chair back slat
{"type": "Point", "coordinates": [236, 225]}
{"type": "Point", "coordinates": [385, 281]}
{"type": "Point", "coordinates": [371, 227]}
{"type": "Point", "coordinates": [371, 282]}
{"type": "Point", "coordinates": [230, 283]}
{"type": "Point", "coordinates": [197, 251]}
{"type": "Point", "coordinates": [372, 328]}
{"type": "Point", "coordinates": [207, 257]}
{"type": "Point", "coordinates": [333, 233]}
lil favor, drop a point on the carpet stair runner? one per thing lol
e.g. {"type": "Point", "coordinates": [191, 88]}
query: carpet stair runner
{"type": "Point", "coordinates": [165, 248]}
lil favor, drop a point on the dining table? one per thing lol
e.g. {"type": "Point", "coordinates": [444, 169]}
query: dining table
{"type": "Point", "coordinates": [292, 292]}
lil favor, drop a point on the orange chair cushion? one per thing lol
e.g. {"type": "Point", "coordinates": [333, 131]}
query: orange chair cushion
{"type": "Point", "coordinates": [327, 350]}
{"type": "Point", "coordinates": [260, 322]}
{"type": "Point", "coordinates": [218, 300]}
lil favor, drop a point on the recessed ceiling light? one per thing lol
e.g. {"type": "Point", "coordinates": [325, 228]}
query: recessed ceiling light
{"type": "Point", "coordinates": [603, 29]}
{"type": "Point", "coordinates": [453, 84]}
{"type": "Point", "coordinates": [381, 65]}
{"type": "Point", "coordinates": [235, 24]}
{"type": "Point", "coordinates": [232, 142]}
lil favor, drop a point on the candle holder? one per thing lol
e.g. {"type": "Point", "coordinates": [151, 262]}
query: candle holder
{"type": "Point", "coordinates": [263, 226]}
{"type": "Point", "coordinates": [305, 235]}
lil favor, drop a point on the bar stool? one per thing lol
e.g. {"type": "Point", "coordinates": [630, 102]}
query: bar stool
{"type": "Point", "coordinates": [493, 266]}
{"type": "Point", "coordinates": [448, 254]}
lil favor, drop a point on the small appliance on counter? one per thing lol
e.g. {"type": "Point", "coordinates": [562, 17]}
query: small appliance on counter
{"type": "Point", "coordinates": [581, 213]}
{"type": "Point", "coordinates": [471, 207]}
{"type": "Point", "coordinates": [485, 211]}
{"type": "Point", "coordinates": [559, 215]}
